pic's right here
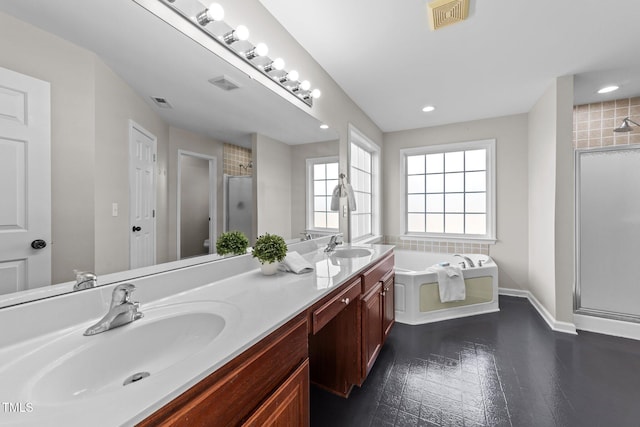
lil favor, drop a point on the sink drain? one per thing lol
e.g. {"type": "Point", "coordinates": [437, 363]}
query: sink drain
{"type": "Point", "coordinates": [136, 377]}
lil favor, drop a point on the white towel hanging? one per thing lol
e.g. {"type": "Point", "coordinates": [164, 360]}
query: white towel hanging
{"type": "Point", "coordinates": [343, 189]}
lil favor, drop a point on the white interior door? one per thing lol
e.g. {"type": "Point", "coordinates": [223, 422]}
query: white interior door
{"type": "Point", "coordinates": [25, 182]}
{"type": "Point", "coordinates": [142, 196]}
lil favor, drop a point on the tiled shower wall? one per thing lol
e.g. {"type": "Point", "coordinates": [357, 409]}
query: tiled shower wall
{"type": "Point", "coordinates": [593, 124]}
{"type": "Point", "coordinates": [234, 156]}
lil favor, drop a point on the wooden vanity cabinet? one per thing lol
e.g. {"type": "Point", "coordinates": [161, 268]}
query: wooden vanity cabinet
{"type": "Point", "coordinates": [378, 312]}
{"type": "Point", "coordinates": [268, 383]}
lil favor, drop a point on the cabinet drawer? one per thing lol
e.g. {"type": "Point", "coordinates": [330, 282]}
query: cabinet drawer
{"type": "Point", "coordinates": [227, 396]}
{"type": "Point", "coordinates": [375, 273]}
{"type": "Point", "coordinates": [323, 315]}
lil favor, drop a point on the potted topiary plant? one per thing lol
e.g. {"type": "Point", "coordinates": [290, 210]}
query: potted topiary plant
{"type": "Point", "coordinates": [270, 249]}
{"type": "Point", "coordinates": [232, 242]}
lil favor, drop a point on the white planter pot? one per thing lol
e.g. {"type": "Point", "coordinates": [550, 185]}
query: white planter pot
{"type": "Point", "coordinates": [269, 269]}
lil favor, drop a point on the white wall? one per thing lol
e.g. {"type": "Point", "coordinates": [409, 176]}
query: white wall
{"type": "Point", "coordinates": [510, 250]}
{"type": "Point", "coordinates": [551, 220]}
{"type": "Point", "coordinates": [194, 206]}
{"type": "Point", "coordinates": [272, 187]}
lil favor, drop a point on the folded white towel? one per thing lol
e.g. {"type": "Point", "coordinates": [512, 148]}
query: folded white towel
{"type": "Point", "coordinates": [295, 263]}
{"type": "Point", "coordinates": [335, 199]}
{"type": "Point", "coordinates": [450, 283]}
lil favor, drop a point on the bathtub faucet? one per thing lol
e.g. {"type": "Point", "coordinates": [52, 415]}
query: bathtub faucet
{"type": "Point", "coordinates": [467, 259]}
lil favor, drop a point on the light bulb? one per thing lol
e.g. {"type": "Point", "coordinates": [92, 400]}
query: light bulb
{"type": "Point", "coordinates": [215, 12]}
{"type": "Point", "coordinates": [315, 94]}
{"type": "Point", "coordinates": [276, 64]}
{"type": "Point", "coordinates": [292, 75]}
{"type": "Point", "coordinates": [305, 85]}
{"type": "Point", "coordinates": [261, 49]}
{"type": "Point", "coordinates": [241, 33]}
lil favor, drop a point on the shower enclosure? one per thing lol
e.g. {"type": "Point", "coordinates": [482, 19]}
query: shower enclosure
{"type": "Point", "coordinates": [238, 197]}
{"type": "Point", "coordinates": [608, 232]}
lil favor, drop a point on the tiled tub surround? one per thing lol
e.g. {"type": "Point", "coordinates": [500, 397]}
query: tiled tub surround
{"type": "Point", "coordinates": [593, 124]}
{"type": "Point", "coordinates": [234, 156]}
{"type": "Point", "coordinates": [417, 300]}
{"type": "Point", "coordinates": [263, 303]}
{"type": "Point", "coordinates": [443, 247]}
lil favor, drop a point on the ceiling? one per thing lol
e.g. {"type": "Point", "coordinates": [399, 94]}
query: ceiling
{"type": "Point", "coordinates": [498, 62]}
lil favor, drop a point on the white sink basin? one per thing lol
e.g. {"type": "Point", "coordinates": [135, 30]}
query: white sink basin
{"type": "Point", "coordinates": [352, 252]}
{"type": "Point", "coordinates": [83, 367]}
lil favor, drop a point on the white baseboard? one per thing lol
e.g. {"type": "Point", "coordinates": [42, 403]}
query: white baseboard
{"type": "Point", "coordinates": [564, 327]}
{"type": "Point", "coordinates": [602, 325]}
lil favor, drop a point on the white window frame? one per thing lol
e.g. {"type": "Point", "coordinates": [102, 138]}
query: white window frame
{"type": "Point", "coordinates": [360, 139]}
{"type": "Point", "coordinates": [310, 194]}
{"type": "Point", "coordinates": [490, 146]}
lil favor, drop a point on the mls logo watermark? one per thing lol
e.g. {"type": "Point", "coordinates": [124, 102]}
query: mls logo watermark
{"type": "Point", "coordinates": [16, 407]}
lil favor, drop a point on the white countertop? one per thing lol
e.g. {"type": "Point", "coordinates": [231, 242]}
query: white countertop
{"type": "Point", "coordinates": [260, 304]}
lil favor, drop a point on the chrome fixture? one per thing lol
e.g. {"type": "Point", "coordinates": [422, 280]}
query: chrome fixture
{"type": "Point", "coordinates": [121, 311]}
{"type": "Point", "coordinates": [467, 259]}
{"type": "Point", "coordinates": [215, 12]}
{"type": "Point", "coordinates": [227, 36]}
{"type": "Point", "coordinates": [247, 166]}
{"type": "Point", "coordinates": [85, 280]}
{"type": "Point", "coordinates": [306, 235]}
{"type": "Point", "coordinates": [625, 126]}
{"type": "Point", "coordinates": [333, 242]}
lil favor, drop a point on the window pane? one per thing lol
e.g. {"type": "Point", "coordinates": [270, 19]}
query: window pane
{"type": "Point", "coordinates": [435, 223]}
{"type": "Point", "coordinates": [415, 165]}
{"type": "Point", "coordinates": [332, 220]}
{"type": "Point", "coordinates": [367, 225]}
{"type": "Point", "coordinates": [320, 204]}
{"type": "Point", "coordinates": [319, 171]}
{"type": "Point", "coordinates": [454, 203]}
{"type": "Point", "coordinates": [476, 202]}
{"type": "Point", "coordinates": [415, 184]}
{"type": "Point", "coordinates": [366, 203]}
{"type": "Point", "coordinates": [332, 170]}
{"type": "Point", "coordinates": [366, 160]}
{"type": "Point", "coordinates": [354, 155]}
{"type": "Point", "coordinates": [320, 220]}
{"type": "Point", "coordinates": [367, 183]}
{"type": "Point", "coordinates": [476, 181]}
{"type": "Point", "coordinates": [435, 163]}
{"type": "Point", "coordinates": [331, 184]}
{"type": "Point", "coordinates": [355, 220]}
{"type": "Point", "coordinates": [319, 188]}
{"type": "Point", "coordinates": [415, 203]}
{"type": "Point", "coordinates": [475, 160]}
{"type": "Point", "coordinates": [476, 224]}
{"type": "Point", "coordinates": [415, 223]}
{"type": "Point", "coordinates": [454, 223]}
{"type": "Point", "coordinates": [454, 182]}
{"type": "Point", "coordinates": [435, 203]}
{"type": "Point", "coordinates": [454, 162]}
{"type": "Point", "coordinates": [435, 183]}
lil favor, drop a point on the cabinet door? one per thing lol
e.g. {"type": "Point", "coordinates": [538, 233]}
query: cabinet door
{"type": "Point", "coordinates": [371, 328]}
{"type": "Point", "coordinates": [388, 304]}
{"type": "Point", "coordinates": [288, 405]}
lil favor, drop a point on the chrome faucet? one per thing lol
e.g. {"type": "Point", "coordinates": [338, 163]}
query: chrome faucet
{"type": "Point", "coordinates": [467, 259]}
{"type": "Point", "coordinates": [121, 312]}
{"type": "Point", "coordinates": [333, 242]}
{"type": "Point", "coordinates": [84, 280]}
{"type": "Point", "coordinates": [306, 236]}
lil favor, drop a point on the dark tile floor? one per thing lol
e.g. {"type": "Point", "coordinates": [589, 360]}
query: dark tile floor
{"type": "Point", "coordinates": [501, 369]}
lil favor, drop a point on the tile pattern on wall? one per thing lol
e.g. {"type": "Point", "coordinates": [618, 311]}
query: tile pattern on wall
{"type": "Point", "coordinates": [593, 124]}
{"type": "Point", "coordinates": [501, 369]}
{"type": "Point", "coordinates": [436, 246]}
{"type": "Point", "coordinates": [234, 156]}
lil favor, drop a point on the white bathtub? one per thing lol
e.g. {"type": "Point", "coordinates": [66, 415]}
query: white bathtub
{"type": "Point", "coordinates": [416, 290]}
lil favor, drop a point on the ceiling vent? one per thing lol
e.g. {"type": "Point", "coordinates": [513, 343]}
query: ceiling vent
{"type": "Point", "coordinates": [161, 102]}
{"type": "Point", "coordinates": [224, 83]}
{"type": "Point", "coordinates": [447, 12]}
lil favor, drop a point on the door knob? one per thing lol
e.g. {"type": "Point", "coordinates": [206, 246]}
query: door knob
{"type": "Point", "coordinates": [134, 229]}
{"type": "Point", "coordinates": [38, 244]}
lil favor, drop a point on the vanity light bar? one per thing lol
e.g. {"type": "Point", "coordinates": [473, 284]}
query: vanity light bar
{"type": "Point", "coordinates": [274, 69]}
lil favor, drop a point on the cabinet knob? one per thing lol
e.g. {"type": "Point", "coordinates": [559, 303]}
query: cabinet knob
{"type": "Point", "coordinates": [345, 301]}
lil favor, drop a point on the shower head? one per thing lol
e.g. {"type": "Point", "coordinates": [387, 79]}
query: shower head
{"type": "Point", "coordinates": [625, 126]}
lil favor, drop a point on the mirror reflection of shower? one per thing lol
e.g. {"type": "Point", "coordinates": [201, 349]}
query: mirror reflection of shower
{"type": "Point", "coordinates": [238, 189]}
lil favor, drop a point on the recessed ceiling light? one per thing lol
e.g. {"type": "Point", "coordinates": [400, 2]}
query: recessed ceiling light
{"type": "Point", "coordinates": [608, 89]}
{"type": "Point", "coordinates": [428, 108]}
{"type": "Point", "coordinates": [323, 126]}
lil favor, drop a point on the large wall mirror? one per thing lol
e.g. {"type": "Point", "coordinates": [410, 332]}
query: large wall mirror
{"type": "Point", "coordinates": [148, 159]}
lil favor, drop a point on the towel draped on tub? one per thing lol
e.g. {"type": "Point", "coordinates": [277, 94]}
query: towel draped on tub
{"type": "Point", "coordinates": [450, 283]}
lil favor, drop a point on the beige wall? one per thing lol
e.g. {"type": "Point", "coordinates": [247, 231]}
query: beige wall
{"type": "Point", "coordinates": [299, 156]}
{"type": "Point", "coordinates": [510, 250]}
{"type": "Point", "coordinates": [194, 201]}
{"type": "Point", "coordinates": [272, 187]}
